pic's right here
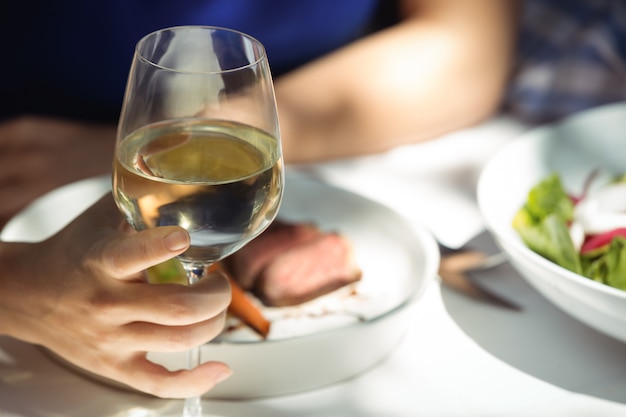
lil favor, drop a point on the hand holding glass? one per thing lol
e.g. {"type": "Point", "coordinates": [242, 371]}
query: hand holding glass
{"type": "Point", "coordinates": [198, 144]}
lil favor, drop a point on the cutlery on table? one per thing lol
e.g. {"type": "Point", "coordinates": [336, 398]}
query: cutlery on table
{"type": "Point", "coordinates": [458, 265]}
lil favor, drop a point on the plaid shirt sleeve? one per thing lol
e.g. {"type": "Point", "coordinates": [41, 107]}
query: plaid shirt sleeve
{"type": "Point", "coordinates": [571, 56]}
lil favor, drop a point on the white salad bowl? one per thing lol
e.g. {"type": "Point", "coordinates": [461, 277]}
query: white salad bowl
{"type": "Point", "coordinates": [321, 342]}
{"type": "Point", "coordinates": [573, 148]}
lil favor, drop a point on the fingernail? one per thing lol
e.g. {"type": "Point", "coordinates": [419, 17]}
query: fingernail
{"type": "Point", "coordinates": [222, 376]}
{"type": "Point", "coordinates": [176, 240]}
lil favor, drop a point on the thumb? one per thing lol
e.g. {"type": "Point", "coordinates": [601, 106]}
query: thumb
{"type": "Point", "coordinates": [126, 255]}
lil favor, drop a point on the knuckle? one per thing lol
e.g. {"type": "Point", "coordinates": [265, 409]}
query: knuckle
{"type": "Point", "coordinates": [178, 309]}
{"type": "Point", "coordinates": [108, 307]}
{"type": "Point", "coordinates": [180, 339]}
{"type": "Point", "coordinates": [98, 258]}
{"type": "Point", "coordinates": [109, 340]}
{"type": "Point", "coordinates": [187, 337]}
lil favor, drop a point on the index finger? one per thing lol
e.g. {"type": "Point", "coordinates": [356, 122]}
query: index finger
{"type": "Point", "coordinates": [127, 255]}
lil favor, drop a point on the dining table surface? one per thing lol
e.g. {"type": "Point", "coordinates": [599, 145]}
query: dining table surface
{"type": "Point", "coordinates": [460, 356]}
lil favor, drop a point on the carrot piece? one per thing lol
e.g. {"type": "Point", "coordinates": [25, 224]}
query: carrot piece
{"type": "Point", "coordinates": [242, 307]}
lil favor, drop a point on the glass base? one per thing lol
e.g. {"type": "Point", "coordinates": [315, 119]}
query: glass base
{"type": "Point", "coordinates": [177, 409]}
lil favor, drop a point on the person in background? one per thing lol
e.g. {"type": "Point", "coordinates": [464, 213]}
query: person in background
{"type": "Point", "coordinates": [352, 77]}
{"type": "Point", "coordinates": [570, 56]}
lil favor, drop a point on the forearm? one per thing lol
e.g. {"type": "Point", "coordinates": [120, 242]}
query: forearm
{"type": "Point", "coordinates": [40, 154]}
{"type": "Point", "coordinates": [441, 69]}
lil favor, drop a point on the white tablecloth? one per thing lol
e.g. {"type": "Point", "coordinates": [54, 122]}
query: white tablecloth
{"type": "Point", "coordinates": [460, 357]}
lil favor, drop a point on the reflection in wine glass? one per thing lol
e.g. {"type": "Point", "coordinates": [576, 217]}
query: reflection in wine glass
{"type": "Point", "coordinates": [198, 145]}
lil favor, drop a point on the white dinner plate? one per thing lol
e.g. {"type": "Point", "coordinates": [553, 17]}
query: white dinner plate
{"type": "Point", "coordinates": [321, 342]}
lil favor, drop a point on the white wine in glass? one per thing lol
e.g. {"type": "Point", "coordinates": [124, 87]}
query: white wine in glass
{"type": "Point", "coordinates": [198, 145]}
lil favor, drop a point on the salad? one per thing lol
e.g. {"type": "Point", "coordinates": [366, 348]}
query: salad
{"type": "Point", "coordinates": [585, 234]}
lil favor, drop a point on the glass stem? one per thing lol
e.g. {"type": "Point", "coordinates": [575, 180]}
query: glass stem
{"type": "Point", "coordinates": [193, 405]}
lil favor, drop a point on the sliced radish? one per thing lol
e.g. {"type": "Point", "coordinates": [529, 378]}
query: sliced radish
{"type": "Point", "coordinates": [577, 233]}
{"type": "Point", "coordinates": [602, 210]}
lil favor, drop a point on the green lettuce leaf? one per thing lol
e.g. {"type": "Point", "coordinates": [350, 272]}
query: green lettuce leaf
{"type": "Point", "coordinates": [610, 267]}
{"type": "Point", "coordinates": [168, 272]}
{"type": "Point", "coordinates": [542, 223]}
{"type": "Point", "coordinates": [549, 197]}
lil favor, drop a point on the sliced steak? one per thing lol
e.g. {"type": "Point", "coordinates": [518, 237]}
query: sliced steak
{"type": "Point", "coordinates": [246, 264]}
{"type": "Point", "coordinates": [307, 270]}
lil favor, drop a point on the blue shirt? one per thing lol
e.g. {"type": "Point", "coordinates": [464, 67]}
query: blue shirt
{"type": "Point", "coordinates": [71, 57]}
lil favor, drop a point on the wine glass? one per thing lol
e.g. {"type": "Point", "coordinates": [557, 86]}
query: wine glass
{"type": "Point", "coordinates": [198, 145]}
